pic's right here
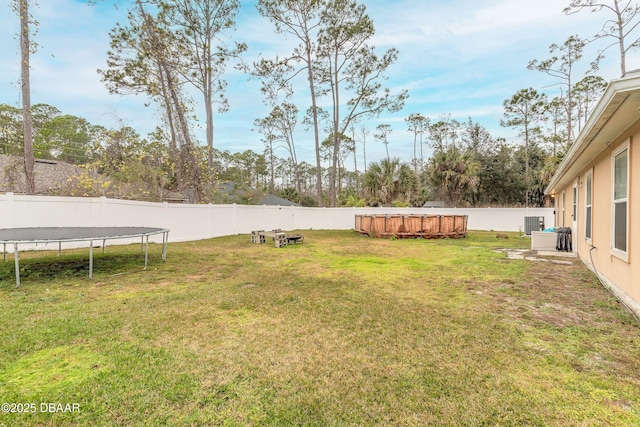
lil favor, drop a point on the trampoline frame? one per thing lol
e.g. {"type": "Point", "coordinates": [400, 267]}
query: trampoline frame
{"type": "Point", "coordinates": [142, 232]}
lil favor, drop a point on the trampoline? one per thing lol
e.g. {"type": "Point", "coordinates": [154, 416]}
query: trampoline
{"type": "Point", "coordinates": [46, 235]}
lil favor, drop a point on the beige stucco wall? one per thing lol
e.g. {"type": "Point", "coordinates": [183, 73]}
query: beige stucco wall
{"type": "Point", "coordinates": [623, 275]}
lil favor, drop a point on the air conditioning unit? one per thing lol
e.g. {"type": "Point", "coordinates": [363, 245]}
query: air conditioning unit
{"type": "Point", "coordinates": [533, 223]}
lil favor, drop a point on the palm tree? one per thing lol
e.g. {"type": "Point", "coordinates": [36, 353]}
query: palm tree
{"type": "Point", "coordinates": [389, 181]}
{"type": "Point", "coordinates": [454, 174]}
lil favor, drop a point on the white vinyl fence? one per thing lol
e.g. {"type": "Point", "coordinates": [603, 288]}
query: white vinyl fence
{"type": "Point", "coordinates": [188, 222]}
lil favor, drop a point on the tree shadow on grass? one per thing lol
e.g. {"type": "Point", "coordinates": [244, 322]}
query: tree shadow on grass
{"type": "Point", "coordinates": [75, 266]}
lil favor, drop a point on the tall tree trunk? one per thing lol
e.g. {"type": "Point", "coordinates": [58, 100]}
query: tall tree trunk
{"type": "Point", "coordinates": [421, 151]}
{"type": "Point", "coordinates": [364, 152]}
{"type": "Point", "coordinates": [272, 184]}
{"type": "Point", "coordinates": [355, 157]}
{"type": "Point", "coordinates": [189, 160]}
{"type": "Point", "coordinates": [620, 37]}
{"type": "Point", "coordinates": [296, 172]}
{"type": "Point", "coordinates": [526, 165]}
{"type": "Point", "coordinates": [415, 152]}
{"type": "Point", "coordinates": [294, 160]}
{"type": "Point", "coordinates": [336, 131]}
{"type": "Point", "coordinates": [209, 130]}
{"type": "Point", "coordinates": [316, 133]}
{"type": "Point", "coordinates": [27, 121]}
{"type": "Point", "coordinates": [173, 144]}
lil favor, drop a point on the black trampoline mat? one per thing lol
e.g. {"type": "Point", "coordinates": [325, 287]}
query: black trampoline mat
{"type": "Point", "coordinates": [62, 234]}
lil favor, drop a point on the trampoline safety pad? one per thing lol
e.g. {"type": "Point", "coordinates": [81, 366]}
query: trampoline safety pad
{"type": "Point", "coordinates": [35, 235]}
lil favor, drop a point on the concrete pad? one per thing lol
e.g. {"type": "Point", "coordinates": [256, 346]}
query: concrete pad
{"type": "Point", "coordinates": [558, 254]}
{"type": "Point", "coordinates": [525, 254]}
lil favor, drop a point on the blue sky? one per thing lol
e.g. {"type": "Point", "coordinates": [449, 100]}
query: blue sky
{"type": "Point", "coordinates": [458, 57]}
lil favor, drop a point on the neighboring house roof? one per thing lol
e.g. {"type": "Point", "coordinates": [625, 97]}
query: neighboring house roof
{"type": "Point", "coordinates": [267, 199]}
{"type": "Point", "coordinates": [617, 110]}
{"type": "Point", "coordinates": [271, 200]}
{"type": "Point", "coordinates": [48, 174]}
{"type": "Point", "coordinates": [434, 204]}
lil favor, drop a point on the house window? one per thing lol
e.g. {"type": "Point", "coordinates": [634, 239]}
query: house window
{"type": "Point", "coordinates": [620, 198]}
{"type": "Point", "coordinates": [588, 211]}
{"type": "Point", "coordinates": [562, 210]}
{"type": "Point", "coordinates": [574, 212]}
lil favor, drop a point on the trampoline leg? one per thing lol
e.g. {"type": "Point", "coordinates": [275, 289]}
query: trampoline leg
{"type": "Point", "coordinates": [59, 248]}
{"type": "Point", "coordinates": [4, 251]}
{"type": "Point", "coordinates": [103, 243]}
{"type": "Point", "coordinates": [91, 260]}
{"type": "Point", "coordinates": [16, 257]}
{"type": "Point", "coordinates": [165, 238]}
{"type": "Point", "coordinates": [146, 252]}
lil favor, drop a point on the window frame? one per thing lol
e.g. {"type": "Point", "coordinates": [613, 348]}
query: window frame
{"type": "Point", "coordinates": [588, 205]}
{"type": "Point", "coordinates": [575, 195]}
{"type": "Point", "coordinates": [619, 253]}
{"type": "Point", "coordinates": [562, 208]}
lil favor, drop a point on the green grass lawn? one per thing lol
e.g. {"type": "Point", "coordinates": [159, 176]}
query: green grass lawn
{"type": "Point", "coordinates": [341, 330]}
